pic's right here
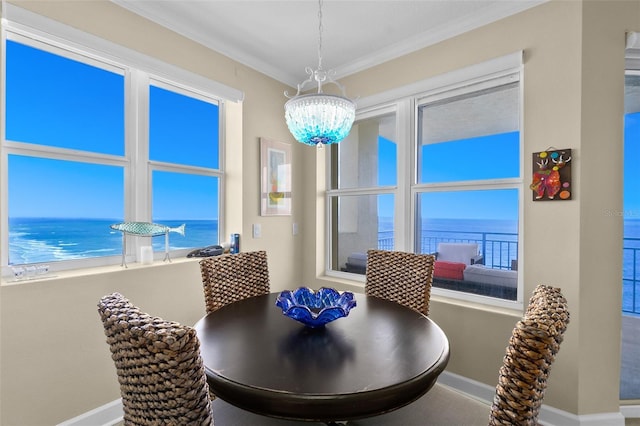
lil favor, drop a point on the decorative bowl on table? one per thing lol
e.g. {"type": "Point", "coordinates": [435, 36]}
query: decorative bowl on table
{"type": "Point", "coordinates": [315, 309]}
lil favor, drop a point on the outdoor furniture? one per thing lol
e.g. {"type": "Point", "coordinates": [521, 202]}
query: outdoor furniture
{"type": "Point", "coordinates": [356, 263]}
{"type": "Point", "coordinates": [522, 380]}
{"type": "Point", "coordinates": [498, 277]}
{"type": "Point", "coordinates": [459, 267]}
{"type": "Point", "coordinates": [466, 253]}
{"type": "Point", "coordinates": [232, 277]}
{"type": "Point", "coordinates": [381, 356]}
{"type": "Point", "coordinates": [161, 374]}
{"type": "Point", "coordinates": [401, 277]}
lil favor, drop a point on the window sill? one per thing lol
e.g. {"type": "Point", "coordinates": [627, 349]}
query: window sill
{"type": "Point", "coordinates": [355, 282]}
{"type": "Point", "coordinates": [89, 271]}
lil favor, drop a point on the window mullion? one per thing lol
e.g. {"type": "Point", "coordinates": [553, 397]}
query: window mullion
{"type": "Point", "coordinates": [138, 206]}
{"type": "Point", "coordinates": [136, 180]}
{"type": "Point", "coordinates": [402, 199]}
{"type": "Point", "coordinates": [182, 168]}
{"type": "Point", "coordinates": [33, 150]}
{"type": "Point", "coordinates": [363, 191]}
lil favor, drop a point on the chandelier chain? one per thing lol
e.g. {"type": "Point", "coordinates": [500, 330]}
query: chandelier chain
{"type": "Point", "coordinates": [319, 34]}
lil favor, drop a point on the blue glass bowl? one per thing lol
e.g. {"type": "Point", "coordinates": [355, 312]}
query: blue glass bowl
{"type": "Point", "coordinates": [315, 309]}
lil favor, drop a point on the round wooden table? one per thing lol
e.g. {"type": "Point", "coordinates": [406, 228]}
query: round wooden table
{"type": "Point", "coordinates": [379, 358]}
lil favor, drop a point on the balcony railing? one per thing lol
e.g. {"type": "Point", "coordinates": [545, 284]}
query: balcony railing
{"type": "Point", "coordinates": [500, 250]}
{"type": "Point", "coordinates": [630, 275]}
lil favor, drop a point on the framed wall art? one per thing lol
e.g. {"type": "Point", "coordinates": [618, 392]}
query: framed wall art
{"type": "Point", "coordinates": [551, 175]}
{"type": "Point", "coordinates": [275, 173]}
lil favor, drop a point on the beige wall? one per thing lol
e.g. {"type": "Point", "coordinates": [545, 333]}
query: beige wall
{"type": "Point", "coordinates": [54, 363]}
{"type": "Point", "coordinates": [573, 98]}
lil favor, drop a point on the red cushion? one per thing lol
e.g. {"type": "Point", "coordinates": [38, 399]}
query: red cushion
{"type": "Point", "coordinates": [451, 270]}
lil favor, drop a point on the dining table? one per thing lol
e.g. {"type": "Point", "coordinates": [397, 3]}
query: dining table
{"type": "Point", "coordinates": [380, 357]}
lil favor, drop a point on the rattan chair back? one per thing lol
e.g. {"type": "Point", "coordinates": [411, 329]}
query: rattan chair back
{"type": "Point", "coordinates": [160, 371]}
{"type": "Point", "coordinates": [233, 277]}
{"type": "Point", "coordinates": [401, 277]}
{"type": "Point", "coordinates": [532, 349]}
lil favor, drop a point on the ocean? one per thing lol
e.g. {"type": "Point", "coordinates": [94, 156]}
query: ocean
{"type": "Point", "coordinates": [37, 240]}
{"type": "Point", "coordinates": [43, 240]}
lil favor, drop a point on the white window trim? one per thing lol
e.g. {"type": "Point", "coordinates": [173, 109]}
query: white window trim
{"type": "Point", "coordinates": [487, 70]}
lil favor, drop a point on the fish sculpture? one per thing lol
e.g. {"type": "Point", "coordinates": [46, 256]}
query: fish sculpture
{"type": "Point", "coordinates": [146, 229]}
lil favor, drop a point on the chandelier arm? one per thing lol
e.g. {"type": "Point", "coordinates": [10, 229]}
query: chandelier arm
{"type": "Point", "coordinates": [311, 73]}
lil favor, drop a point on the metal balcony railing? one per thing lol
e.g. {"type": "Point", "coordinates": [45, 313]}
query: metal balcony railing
{"type": "Point", "coordinates": [630, 278]}
{"type": "Point", "coordinates": [500, 250]}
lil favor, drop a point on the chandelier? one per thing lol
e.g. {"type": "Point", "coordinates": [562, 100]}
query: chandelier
{"type": "Point", "coordinates": [319, 119]}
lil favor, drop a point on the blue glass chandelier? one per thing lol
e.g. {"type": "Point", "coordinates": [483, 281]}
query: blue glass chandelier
{"type": "Point", "coordinates": [319, 119]}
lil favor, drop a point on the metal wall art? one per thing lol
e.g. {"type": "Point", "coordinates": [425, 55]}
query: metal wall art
{"type": "Point", "coordinates": [551, 175]}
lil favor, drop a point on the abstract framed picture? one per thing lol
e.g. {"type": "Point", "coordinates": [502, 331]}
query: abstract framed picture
{"type": "Point", "coordinates": [275, 176]}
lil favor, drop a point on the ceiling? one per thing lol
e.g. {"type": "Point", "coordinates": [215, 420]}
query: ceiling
{"type": "Point", "coordinates": [280, 38]}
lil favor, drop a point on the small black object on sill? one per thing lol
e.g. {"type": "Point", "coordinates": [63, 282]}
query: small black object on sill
{"type": "Point", "coordinates": [207, 251]}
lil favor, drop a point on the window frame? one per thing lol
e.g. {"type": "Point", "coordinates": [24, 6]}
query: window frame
{"type": "Point", "coordinates": [406, 100]}
{"type": "Point", "coordinates": [399, 190]}
{"type": "Point", "coordinates": [139, 73]}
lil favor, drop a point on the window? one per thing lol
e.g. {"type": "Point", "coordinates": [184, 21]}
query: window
{"type": "Point", "coordinates": [90, 141]}
{"type": "Point", "coordinates": [184, 156]}
{"type": "Point", "coordinates": [468, 185]}
{"type": "Point", "coordinates": [452, 177]}
{"type": "Point", "coordinates": [363, 191]}
{"type": "Point", "coordinates": [631, 212]}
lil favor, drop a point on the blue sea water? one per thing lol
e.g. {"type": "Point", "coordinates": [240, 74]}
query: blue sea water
{"type": "Point", "coordinates": [35, 240]}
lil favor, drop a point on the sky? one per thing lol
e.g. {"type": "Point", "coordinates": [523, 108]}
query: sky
{"type": "Point", "coordinates": [67, 104]}
{"type": "Point", "coordinates": [631, 170]}
{"type": "Point", "coordinates": [72, 105]}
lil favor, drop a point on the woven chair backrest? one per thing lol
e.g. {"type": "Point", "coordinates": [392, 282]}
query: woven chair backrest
{"type": "Point", "coordinates": [233, 277]}
{"type": "Point", "coordinates": [401, 277]}
{"type": "Point", "coordinates": [160, 371]}
{"type": "Point", "coordinates": [532, 349]}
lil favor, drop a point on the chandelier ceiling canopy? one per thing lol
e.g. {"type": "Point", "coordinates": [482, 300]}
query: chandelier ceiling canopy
{"type": "Point", "coordinates": [319, 119]}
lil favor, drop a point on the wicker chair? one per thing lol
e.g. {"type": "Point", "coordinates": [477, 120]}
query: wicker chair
{"type": "Point", "coordinates": [401, 277]}
{"type": "Point", "coordinates": [233, 277]}
{"type": "Point", "coordinates": [522, 379]}
{"type": "Point", "coordinates": [161, 374]}
{"type": "Point", "coordinates": [532, 349]}
{"type": "Point", "coordinates": [160, 371]}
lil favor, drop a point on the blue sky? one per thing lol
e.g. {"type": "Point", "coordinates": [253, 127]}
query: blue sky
{"type": "Point", "coordinates": [67, 104]}
{"type": "Point", "coordinates": [631, 169]}
{"type": "Point", "coordinates": [71, 105]}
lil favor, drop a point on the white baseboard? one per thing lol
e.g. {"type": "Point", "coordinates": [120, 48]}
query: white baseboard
{"type": "Point", "coordinates": [630, 411]}
{"type": "Point", "coordinates": [106, 415]}
{"type": "Point", "coordinates": [111, 413]}
{"type": "Point", "coordinates": [549, 416]}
